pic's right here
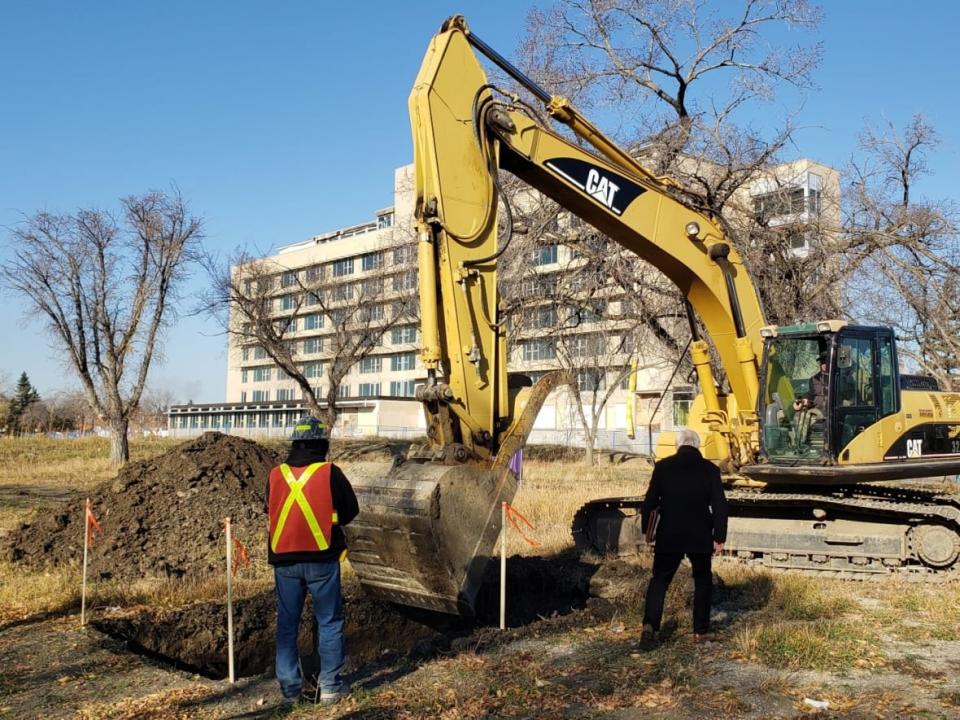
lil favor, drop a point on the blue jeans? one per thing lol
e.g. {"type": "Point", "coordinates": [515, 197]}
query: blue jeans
{"type": "Point", "coordinates": [322, 579]}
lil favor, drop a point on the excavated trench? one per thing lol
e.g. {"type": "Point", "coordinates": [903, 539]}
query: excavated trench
{"type": "Point", "coordinates": [194, 637]}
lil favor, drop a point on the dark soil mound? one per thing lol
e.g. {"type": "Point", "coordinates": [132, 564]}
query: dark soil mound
{"type": "Point", "coordinates": [160, 517]}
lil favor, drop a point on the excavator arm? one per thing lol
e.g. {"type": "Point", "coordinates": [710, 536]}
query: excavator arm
{"type": "Point", "coordinates": [464, 131]}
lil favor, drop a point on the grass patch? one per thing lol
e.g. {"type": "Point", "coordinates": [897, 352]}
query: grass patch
{"type": "Point", "coordinates": [829, 645]}
{"type": "Point", "coordinates": [26, 593]}
{"type": "Point", "coordinates": [553, 492]}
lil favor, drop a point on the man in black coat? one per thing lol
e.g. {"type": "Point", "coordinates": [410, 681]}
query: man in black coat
{"type": "Point", "coordinates": [687, 494]}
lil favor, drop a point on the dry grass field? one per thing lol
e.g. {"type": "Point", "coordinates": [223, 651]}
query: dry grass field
{"type": "Point", "coordinates": [883, 649]}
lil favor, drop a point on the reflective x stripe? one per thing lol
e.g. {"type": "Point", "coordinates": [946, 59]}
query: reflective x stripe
{"type": "Point", "coordinates": [296, 496]}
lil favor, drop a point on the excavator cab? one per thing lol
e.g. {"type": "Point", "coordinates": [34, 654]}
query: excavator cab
{"type": "Point", "coordinates": [823, 385]}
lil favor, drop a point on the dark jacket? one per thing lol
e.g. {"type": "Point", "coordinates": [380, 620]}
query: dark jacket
{"type": "Point", "coordinates": [344, 501]}
{"type": "Point", "coordinates": [817, 394]}
{"type": "Point", "coordinates": [686, 491]}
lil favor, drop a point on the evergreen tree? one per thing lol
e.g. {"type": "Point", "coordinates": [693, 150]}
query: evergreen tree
{"type": "Point", "coordinates": [24, 396]}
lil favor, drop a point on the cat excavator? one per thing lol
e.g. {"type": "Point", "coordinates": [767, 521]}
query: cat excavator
{"type": "Point", "coordinates": [800, 464]}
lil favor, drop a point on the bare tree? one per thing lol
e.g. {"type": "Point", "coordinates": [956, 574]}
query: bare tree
{"type": "Point", "coordinates": [105, 288]}
{"type": "Point", "coordinates": [660, 66]}
{"type": "Point", "coordinates": [265, 306]}
{"type": "Point", "coordinates": [682, 78]}
{"type": "Point", "coordinates": [907, 249]}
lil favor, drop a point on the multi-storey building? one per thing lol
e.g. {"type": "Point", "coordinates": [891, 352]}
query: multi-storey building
{"type": "Point", "coordinates": [377, 394]}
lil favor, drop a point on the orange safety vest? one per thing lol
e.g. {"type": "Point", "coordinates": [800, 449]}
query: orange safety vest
{"type": "Point", "coordinates": [302, 515]}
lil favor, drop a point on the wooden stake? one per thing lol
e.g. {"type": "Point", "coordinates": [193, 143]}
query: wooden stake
{"type": "Point", "coordinates": [229, 601]}
{"type": "Point", "coordinates": [503, 566]}
{"type": "Point", "coordinates": [83, 584]}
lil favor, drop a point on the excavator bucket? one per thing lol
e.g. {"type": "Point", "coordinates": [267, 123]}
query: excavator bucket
{"type": "Point", "coordinates": [426, 531]}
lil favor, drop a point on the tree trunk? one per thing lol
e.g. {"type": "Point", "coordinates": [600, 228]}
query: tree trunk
{"type": "Point", "coordinates": [119, 443]}
{"type": "Point", "coordinates": [590, 442]}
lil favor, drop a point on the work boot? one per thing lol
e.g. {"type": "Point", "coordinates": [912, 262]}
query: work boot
{"type": "Point", "coordinates": [648, 638]}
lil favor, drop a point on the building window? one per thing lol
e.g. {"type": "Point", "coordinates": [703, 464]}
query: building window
{"type": "Point", "coordinates": [313, 369]}
{"type": "Point", "coordinates": [371, 287]}
{"type": "Point", "coordinates": [372, 313]}
{"type": "Point", "coordinates": [681, 409]}
{"type": "Point", "coordinates": [262, 374]}
{"type": "Point", "coordinates": [539, 286]}
{"type": "Point", "coordinates": [369, 389]}
{"type": "Point", "coordinates": [245, 354]}
{"type": "Point", "coordinates": [405, 254]}
{"type": "Point", "coordinates": [264, 419]}
{"type": "Point", "coordinates": [344, 292]}
{"type": "Point", "coordinates": [243, 376]}
{"type": "Point", "coordinates": [243, 396]}
{"type": "Point", "coordinates": [385, 220]}
{"type": "Point", "coordinates": [534, 350]}
{"type": "Point", "coordinates": [403, 361]}
{"type": "Point", "coordinates": [285, 325]}
{"type": "Point", "coordinates": [589, 312]}
{"type": "Point", "coordinates": [403, 334]}
{"type": "Point", "coordinates": [311, 299]}
{"type": "Point", "coordinates": [286, 394]}
{"type": "Point", "coordinates": [544, 255]}
{"type": "Point", "coordinates": [584, 346]}
{"type": "Point", "coordinates": [371, 261]}
{"type": "Point", "coordinates": [261, 395]}
{"type": "Point", "coordinates": [370, 365]}
{"type": "Point", "coordinates": [312, 346]}
{"type": "Point", "coordinates": [343, 267]}
{"type": "Point", "coordinates": [591, 380]}
{"type": "Point", "coordinates": [405, 280]}
{"type": "Point", "coordinates": [544, 316]}
{"type": "Point", "coordinates": [312, 322]}
{"type": "Point", "coordinates": [343, 390]}
{"type": "Point", "coordinates": [288, 302]}
{"type": "Point", "coordinates": [787, 201]}
{"type": "Point", "coordinates": [314, 273]}
{"type": "Point", "coordinates": [259, 353]}
{"type": "Point", "coordinates": [288, 278]}
{"type": "Point", "coordinates": [403, 388]}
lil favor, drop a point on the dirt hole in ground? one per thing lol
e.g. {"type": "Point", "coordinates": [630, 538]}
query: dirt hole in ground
{"type": "Point", "coordinates": [194, 637]}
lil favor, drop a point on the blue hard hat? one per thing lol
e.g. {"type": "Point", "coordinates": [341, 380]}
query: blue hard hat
{"type": "Point", "coordinates": [309, 428]}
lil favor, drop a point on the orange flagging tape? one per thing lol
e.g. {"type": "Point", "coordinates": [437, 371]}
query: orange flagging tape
{"type": "Point", "coordinates": [511, 514]}
{"type": "Point", "coordinates": [92, 525]}
{"type": "Point", "coordinates": [242, 557]}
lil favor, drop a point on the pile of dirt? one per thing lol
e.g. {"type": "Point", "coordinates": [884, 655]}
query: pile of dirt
{"type": "Point", "coordinates": [160, 517]}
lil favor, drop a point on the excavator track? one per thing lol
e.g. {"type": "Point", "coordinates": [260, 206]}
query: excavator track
{"type": "Point", "coordinates": [862, 533]}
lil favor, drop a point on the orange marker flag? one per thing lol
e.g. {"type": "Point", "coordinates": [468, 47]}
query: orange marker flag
{"type": "Point", "coordinates": [242, 557]}
{"type": "Point", "coordinates": [512, 514]}
{"type": "Point", "coordinates": [92, 525]}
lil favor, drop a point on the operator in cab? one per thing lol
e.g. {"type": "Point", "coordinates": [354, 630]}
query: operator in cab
{"type": "Point", "coordinates": [816, 397]}
{"type": "Point", "coordinates": [811, 408]}
{"type": "Point", "coordinates": [309, 500]}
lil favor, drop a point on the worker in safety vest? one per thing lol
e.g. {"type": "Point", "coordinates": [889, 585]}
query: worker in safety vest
{"type": "Point", "coordinates": [309, 500]}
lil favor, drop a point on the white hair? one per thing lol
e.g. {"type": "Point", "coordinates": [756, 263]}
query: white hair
{"type": "Point", "coordinates": [687, 437]}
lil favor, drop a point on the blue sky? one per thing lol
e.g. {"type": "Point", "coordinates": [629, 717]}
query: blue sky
{"type": "Point", "coordinates": [278, 121]}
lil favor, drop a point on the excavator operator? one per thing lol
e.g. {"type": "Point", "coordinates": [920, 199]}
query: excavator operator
{"type": "Point", "coordinates": [811, 409]}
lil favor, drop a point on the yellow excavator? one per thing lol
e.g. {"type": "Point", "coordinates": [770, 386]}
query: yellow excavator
{"type": "Point", "coordinates": [813, 412]}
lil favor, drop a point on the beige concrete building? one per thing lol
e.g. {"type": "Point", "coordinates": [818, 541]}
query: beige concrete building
{"type": "Point", "coordinates": [376, 396]}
